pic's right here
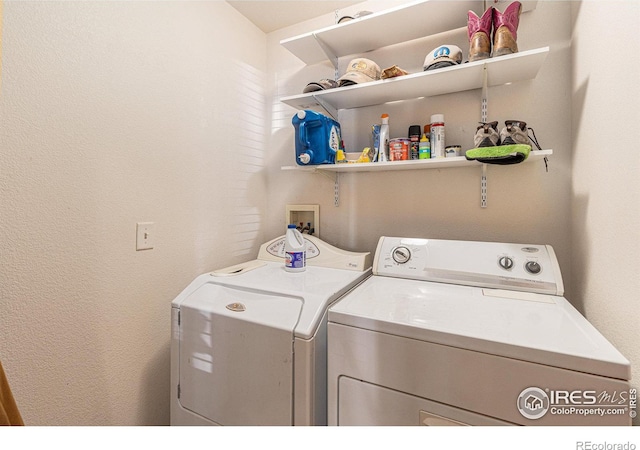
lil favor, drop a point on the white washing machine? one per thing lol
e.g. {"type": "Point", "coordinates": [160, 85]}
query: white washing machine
{"type": "Point", "coordinates": [248, 342]}
{"type": "Point", "coordinates": [478, 333]}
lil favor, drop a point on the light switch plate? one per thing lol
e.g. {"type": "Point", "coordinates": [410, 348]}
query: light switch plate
{"type": "Point", "coordinates": [145, 235]}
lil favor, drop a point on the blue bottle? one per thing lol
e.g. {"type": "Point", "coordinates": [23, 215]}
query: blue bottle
{"type": "Point", "coordinates": [317, 138]}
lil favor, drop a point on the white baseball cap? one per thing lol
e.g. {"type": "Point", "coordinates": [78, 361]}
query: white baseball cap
{"type": "Point", "coordinates": [443, 56]}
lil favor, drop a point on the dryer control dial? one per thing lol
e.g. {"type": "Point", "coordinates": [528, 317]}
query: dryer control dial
{"type": "Point", "coordinates": [401, 255]}
{"type": "Point", "coordinates": [505, 262]}
{"type": "Point", "coordinates": [533, 267]}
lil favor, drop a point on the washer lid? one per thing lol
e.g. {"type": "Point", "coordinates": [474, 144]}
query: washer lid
{"type": "Point", "coordinates": [272, 310]}
{"type": "Point", "coordinates": [539, 328]}
{"type": "Point", "coordinates": [315, 288]}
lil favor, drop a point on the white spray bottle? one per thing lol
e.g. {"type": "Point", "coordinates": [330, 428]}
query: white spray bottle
{"type": "Point", "coordinates": [384, 139]}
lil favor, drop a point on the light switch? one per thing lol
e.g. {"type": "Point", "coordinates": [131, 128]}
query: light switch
{"type": "Point", "coordinates": [145, 235]}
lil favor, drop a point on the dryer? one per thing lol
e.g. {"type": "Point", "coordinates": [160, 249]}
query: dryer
{"type": "Point", "coordinates": [478, 333]}
{"type": "Point", "coordinates": [248, 342]}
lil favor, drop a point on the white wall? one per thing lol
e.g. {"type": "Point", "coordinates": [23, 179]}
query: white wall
{"type": "Point", "coordinates": [114, 113]}
{"type": "Point", "coordinates": [606, 163]}
{"type": "Point", "coordinates": [583, 105]}
{"type": "Point", "coordinates": [526, 204]}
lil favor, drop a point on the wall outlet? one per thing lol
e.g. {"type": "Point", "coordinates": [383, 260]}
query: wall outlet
{"type": "Point", "coordinates": [145, 235]}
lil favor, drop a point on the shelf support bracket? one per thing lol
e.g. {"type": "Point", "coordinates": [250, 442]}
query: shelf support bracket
{"type": "Point", "coordinates": [336, 185]}
{"type": "Point", "coordinates": [333, 112]}
{"type": "Point", "coordinates": [483, 187]}
{"type": "Point", "coordinates": [331, 54]}
{"type": "Point", "coordinates": [484, 108]}
{"type": "Point", "coordinates": [484, 118]}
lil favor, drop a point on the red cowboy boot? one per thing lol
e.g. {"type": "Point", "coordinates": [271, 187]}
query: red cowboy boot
{"type": "Point", "coordinates": [479, 32]}
{"type": "Point", "coordinates": [505, 26]}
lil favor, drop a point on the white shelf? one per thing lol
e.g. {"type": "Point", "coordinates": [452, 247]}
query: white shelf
{"type": "Point", "coordinates": [501, 70]}
{"type": "Point", "coordinates": [420, 164]}
{"type": "Point", "coordinates": [411, 21]}
{"type": "Point", "coordinates": [400, 24]}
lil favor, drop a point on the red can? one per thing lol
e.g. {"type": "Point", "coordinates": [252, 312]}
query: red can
{"type": "Point", "coordinates": [399, 149]}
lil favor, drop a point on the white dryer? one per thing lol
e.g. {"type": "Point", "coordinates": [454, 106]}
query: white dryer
{"type": "Point", "coordinates": [455, 332]}
{"type": "Point", "coordinates": [248, 342]}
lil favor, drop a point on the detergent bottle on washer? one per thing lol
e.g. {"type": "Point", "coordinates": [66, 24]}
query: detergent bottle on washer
{"type": "Point", "coordinates": [295, 254]}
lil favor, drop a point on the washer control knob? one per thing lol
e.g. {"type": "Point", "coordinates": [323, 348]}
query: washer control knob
{"type": "Point", "coordinates": [533, 267]}
{"type": "Point", "coordinates": [401, 255]}
{"type": "Point", "coordinates": [506, 263]}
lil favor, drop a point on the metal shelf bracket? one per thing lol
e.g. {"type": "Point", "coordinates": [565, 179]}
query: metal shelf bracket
{"type": "Point", "coordinates": [333, 112]}
{"type": "Point", "coordinates": [484, 113]}
{"type": "Point", "coordinates": [483, 187]}
{"type": "Point", "coordinates": [331, 54]}
{"type": "Point", "coordinates": [335, 177]}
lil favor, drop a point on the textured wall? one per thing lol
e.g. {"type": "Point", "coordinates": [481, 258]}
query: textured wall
{"type": "Point", "coordinates": [606, 169]}
{"type": "Point", "coordinates": [114, 113]}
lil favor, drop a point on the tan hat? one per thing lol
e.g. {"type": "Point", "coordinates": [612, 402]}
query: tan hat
{"type": "Point", "coordinates": [360, 70]}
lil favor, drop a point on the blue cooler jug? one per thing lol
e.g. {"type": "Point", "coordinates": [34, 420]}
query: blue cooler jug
{"type": "Point", "coordinates": [317, 138]}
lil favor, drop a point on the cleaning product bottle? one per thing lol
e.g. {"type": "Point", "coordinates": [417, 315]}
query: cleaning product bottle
{"type": "Point", "coordinates": [424, 148]}
{"type": "Point", "coordinates": [384, 139]}
{"type": "Point", "coordinates": [317, 138]}
{"type": "Point", "coordinates": [437, 136]}
{"type": "Point", "coordinates": [414, 144]}
{"type": "Point", "coordinates": [295, 254]}
{"type": "Point", "coordinates": [375, 136]}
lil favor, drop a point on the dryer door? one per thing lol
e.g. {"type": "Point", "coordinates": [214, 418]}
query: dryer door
{"type": "Point", "coordinates": [236, 355]}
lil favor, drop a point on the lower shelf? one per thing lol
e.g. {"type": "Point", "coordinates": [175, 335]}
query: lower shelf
{"type": "Point", "coordinates": [439, 163]}
{"type": "Point", "coordinates": [421, 164]}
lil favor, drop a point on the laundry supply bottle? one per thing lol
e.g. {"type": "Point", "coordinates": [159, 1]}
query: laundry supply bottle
{"type": "Point", "coordinates": [295, 254]}
{"type": "Point", "coordinates": [317, 138]}
{"type": "Point", "coordinates": [414, 144]}
{"type": "Point", "coordinates": [437, 136]}
{"type": "Point", "coordinates": [424, 148]}
{"type": "Point", "coordinates": [384, 139]}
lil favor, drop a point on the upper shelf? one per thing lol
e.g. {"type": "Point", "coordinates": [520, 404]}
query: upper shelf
{"type": "Point", "coordinates": [500, 70]}
{"type": "Point", "coordinates": [400, 24]}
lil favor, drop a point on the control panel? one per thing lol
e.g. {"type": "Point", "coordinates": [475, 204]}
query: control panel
{"type": "Point", "coordinates": [523, 267]}
{"type": "Point", "coordinates": [276, 248]}
{"type": "Point", "coordinates": [319, 253]}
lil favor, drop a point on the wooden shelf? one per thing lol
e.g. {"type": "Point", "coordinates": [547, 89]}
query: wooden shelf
{"type": "Point", "coordinates": [420, 164]}
{"type": "Point", "coordinates": [501, 70]}
{"type": "Point", "coordinates": [400, 24]}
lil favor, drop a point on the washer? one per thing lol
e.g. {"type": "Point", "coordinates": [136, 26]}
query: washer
{"type": "Point", "coordinates": [477, 333]}
{"type": "Point", "coordinates": [248, 342]}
